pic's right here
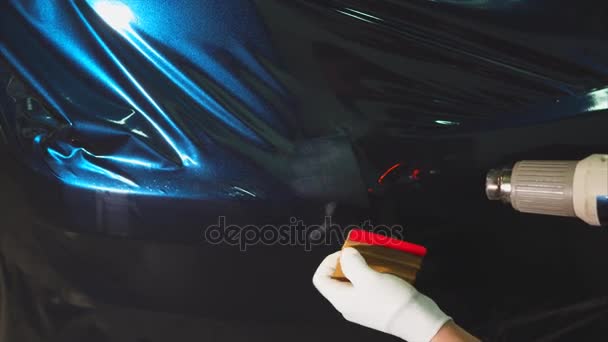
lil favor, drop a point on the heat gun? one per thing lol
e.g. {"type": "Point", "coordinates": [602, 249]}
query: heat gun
{"type": "Point", "coordinates": [555, 187]}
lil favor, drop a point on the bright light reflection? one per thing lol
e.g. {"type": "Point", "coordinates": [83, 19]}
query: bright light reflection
{"type": "Point", "coordinates": [598, 100]}
{"type": "Point", "coordinates": [447, 123]}
{"type": "Point", "coordinates": [116, 14]}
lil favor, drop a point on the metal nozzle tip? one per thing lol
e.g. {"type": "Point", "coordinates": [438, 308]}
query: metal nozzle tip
{"type": "Point", "coordinates": [498, 185]}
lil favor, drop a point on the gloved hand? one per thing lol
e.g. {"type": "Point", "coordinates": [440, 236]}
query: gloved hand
{"type": "Point", "coordinates": [379, 301]}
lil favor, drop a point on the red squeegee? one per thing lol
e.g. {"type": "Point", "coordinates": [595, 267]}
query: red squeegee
{"type": "Point", "coordinates": [385, 254]}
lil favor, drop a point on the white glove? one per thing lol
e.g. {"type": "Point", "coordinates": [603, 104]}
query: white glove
{"type": "Point", "coordinates": [379, 301]}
